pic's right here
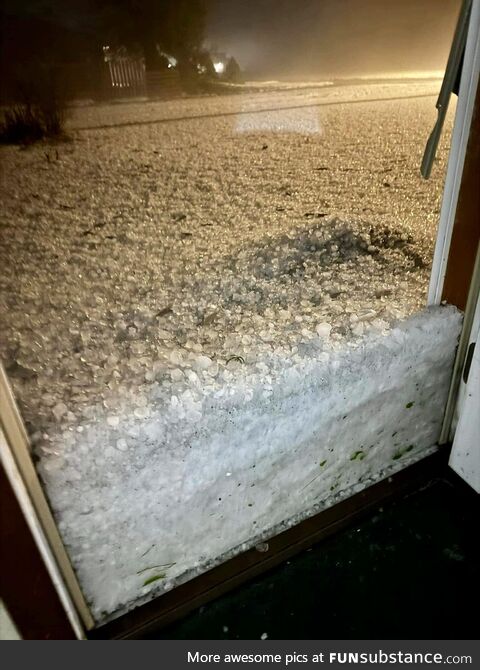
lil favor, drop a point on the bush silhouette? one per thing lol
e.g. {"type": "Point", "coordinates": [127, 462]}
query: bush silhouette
{"type": "Point", "coordinates": [40, 106]}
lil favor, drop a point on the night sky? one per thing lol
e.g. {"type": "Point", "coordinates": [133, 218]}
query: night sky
{"type": "Point", "coordinates": [308, 38]}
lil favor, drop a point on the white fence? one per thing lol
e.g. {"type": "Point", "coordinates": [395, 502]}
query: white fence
{"type": "Point", "coordinates": [126, 77]}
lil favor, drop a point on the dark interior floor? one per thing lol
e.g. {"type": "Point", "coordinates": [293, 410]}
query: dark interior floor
{"type": "Point", "coordinates": [409, 571]}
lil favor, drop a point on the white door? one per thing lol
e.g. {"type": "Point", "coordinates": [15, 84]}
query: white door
{"type": "Point", "coordinates": [465, 456]}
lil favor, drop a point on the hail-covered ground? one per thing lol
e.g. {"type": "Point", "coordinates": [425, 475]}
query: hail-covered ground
{"type": "Point", "coordinates": [205, 312]}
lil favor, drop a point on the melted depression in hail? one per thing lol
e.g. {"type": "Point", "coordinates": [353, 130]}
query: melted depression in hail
{"type": "Point", "coordinates": [215, 326]}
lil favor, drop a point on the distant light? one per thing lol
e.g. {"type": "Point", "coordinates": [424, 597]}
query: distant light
{"type": "Point", "coordinates": [171, 60]}
{"type": "Point", "coordinates": [219, 67]}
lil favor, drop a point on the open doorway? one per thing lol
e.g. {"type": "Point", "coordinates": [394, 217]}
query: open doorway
{"type": "Point", "coordinates": [214, 304]}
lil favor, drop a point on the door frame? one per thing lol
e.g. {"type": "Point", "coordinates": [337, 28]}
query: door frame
{"type": "Point", "coordinates": [16, 460]}
{"type": "Point", "coordinates": [465, 454]}
{"type": "Point", "coordinates": [448, 266]}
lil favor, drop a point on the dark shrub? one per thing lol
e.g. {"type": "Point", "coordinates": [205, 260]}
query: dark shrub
{"type": "Point", "coordinates": [21, 126]}
{"type": "Point", "coordinates": [40, 108]}
{"type": "Point", "coordinates": [233, 72]}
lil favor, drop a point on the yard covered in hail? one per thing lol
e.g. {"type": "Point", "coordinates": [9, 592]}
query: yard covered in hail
{"type": "Point", "coordinates": [213, 319]}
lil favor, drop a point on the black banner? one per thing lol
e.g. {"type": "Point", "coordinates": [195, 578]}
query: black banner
{"type": "Point", "coordinates": [207, 655]}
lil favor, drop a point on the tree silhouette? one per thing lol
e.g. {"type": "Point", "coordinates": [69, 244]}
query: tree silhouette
{"type": "Point", "coordinates": [176, 27]}
{"type": "Point", "coordinates": [233, 72]}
